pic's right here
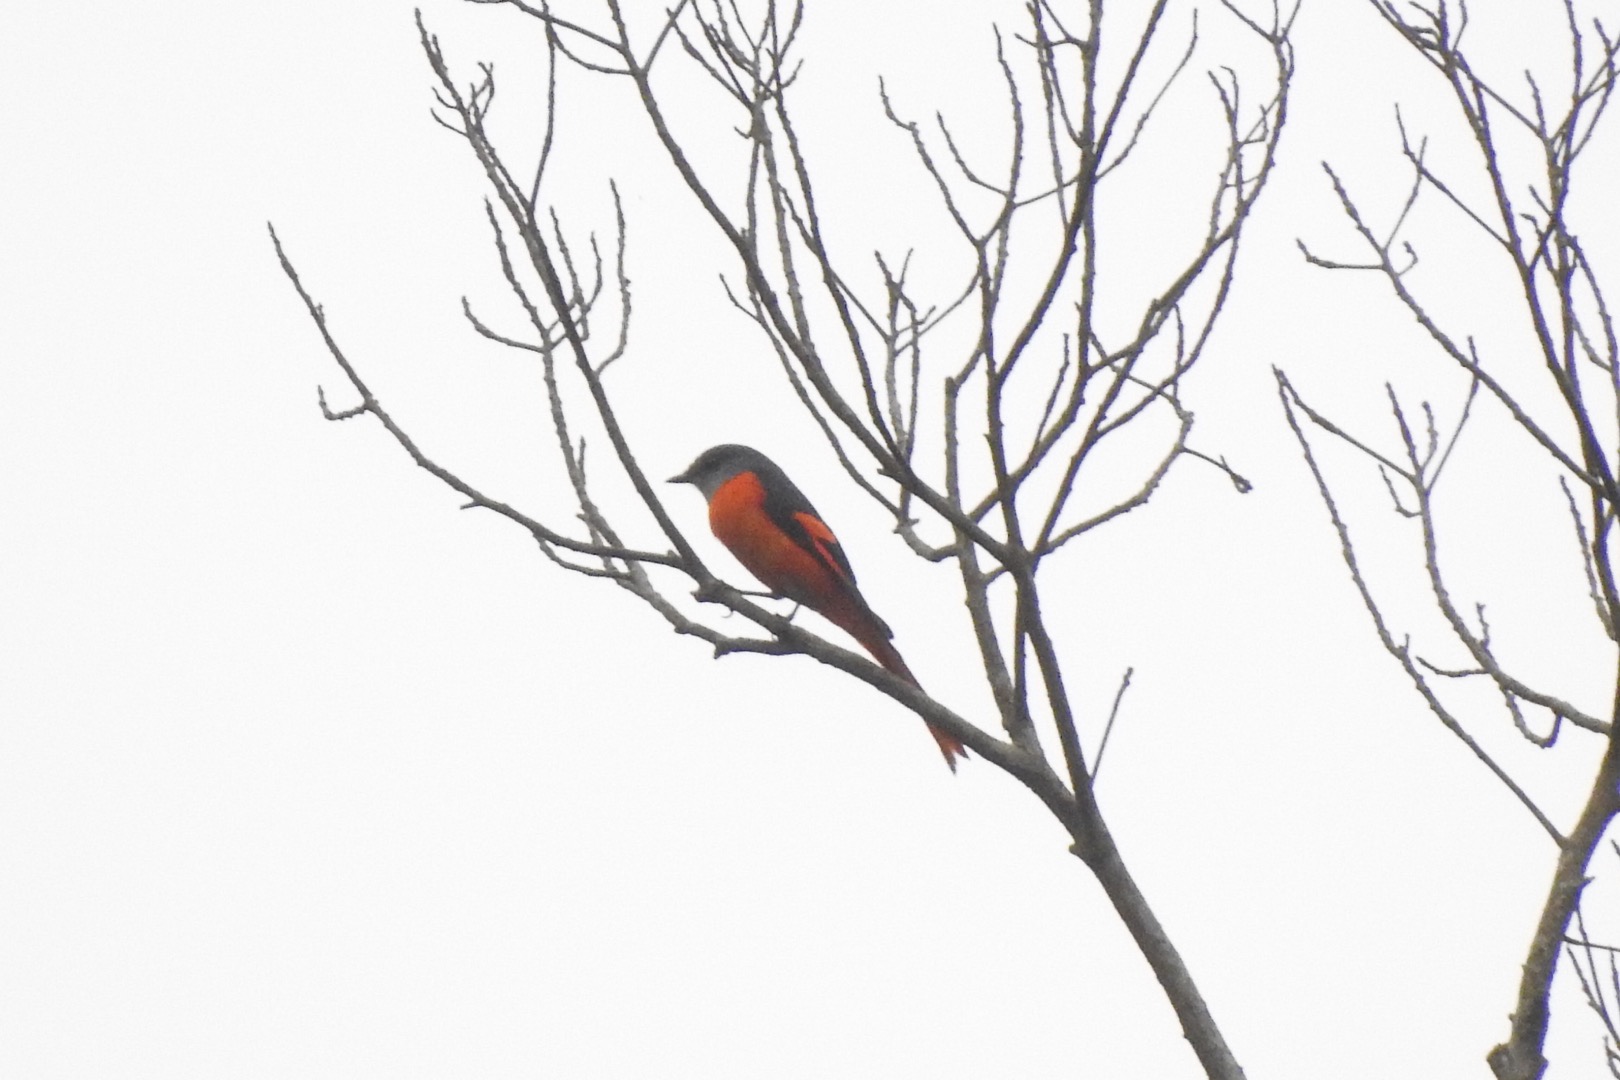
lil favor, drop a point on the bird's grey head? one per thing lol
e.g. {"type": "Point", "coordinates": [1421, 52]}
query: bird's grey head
{"type": "Point", "coordinates": [720, 463]}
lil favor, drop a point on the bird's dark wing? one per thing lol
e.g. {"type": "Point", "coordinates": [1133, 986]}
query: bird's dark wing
{"type": "Point", "coordinates": [786, 505]}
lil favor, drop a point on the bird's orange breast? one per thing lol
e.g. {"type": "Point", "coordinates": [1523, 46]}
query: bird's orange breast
{"type": "Point", "coordinates": [738, 519]}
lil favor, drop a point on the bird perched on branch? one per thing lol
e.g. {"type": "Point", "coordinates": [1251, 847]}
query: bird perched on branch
{"type": "Point", "coordinates": [772, 529]}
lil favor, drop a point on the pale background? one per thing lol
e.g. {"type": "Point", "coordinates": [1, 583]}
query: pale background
{"type": "Point", "coordinates": [306, 773]}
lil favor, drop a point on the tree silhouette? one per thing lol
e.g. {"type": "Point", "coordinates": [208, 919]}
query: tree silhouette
{"type": "Point", "coordinates": [976, 419]}
{"type": "Point", "coordinates": [1562, 395]}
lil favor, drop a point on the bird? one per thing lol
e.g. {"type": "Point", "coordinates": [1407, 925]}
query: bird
{"type": "Point", "coordinates": [768, 524]}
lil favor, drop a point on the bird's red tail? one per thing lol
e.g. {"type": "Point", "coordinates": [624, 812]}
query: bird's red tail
{"type": "Point", "coordinates": [887, 655]}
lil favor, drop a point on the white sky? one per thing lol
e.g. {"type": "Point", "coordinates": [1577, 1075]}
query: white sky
{"type": "Point", "coordinates": [304, 772]}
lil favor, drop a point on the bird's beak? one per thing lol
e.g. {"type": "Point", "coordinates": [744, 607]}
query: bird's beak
{"type": "Point", "coordinates": [680, 478]}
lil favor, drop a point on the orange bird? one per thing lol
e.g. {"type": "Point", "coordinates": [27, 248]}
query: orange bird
{"type": "Point", "coordinates": [772, 529]}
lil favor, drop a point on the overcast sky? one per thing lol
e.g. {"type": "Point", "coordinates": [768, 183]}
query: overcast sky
{"type": "Point", "coordinates": [306, 772]}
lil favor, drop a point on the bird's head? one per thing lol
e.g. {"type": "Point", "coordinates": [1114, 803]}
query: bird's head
{"type": "Point", "coordinates": [720, 463]}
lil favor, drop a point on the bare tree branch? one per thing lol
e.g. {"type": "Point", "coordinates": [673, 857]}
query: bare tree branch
{"type": "Point", "coordinates": [998, 481]}
{"type": "Point", "coordinates": [1560, 301]}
